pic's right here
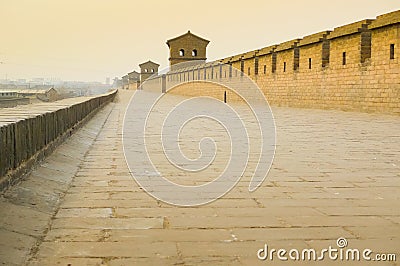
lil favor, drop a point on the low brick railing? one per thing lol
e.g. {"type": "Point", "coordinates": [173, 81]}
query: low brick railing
{"type": "Point", "coordinates": [29, 132]}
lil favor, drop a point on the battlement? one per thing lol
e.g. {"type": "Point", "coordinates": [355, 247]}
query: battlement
{"type": "Point", "coordinates": [287, 45]}
{"type": "Point", "coordinates": [250, 54]}
{"type": "Point", "coordinates": [349, 29]}
{"type": "Point", "coordinates": [314, 38]}
{"type": "Point", "coordinates": [385, 20]}
{"type": "Point", "coordinates": [267, 50]}
{"type": "Point", "coordinates": [354, 67]}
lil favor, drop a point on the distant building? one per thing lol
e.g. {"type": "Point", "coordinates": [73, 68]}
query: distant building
{"type": "Point", "coordinates": [148, 69]}
{"type": "Point", "coordinates": [117, 83]}
{"type": "Point", "coordinates": [8, 94]}
{"type": "Point", "coordinates": [187, 48]}
{"type": "Point", "coordinates": [10, 99]}
{"type": "Point", "coordinates": [8, 86]}
{"type": "Point", "coordinates": [37, 81]}
{"type": "Point", "coordinates": [46, 95]}
{"type": "Point", "coordinates": [133, 80]}
{"type": "Point", "coordinates": [125, 82]}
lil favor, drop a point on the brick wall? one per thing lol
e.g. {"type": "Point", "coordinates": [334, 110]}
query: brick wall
{"type": "Point", "coordinates": [207, 89]}
{"type": "Point", "coordinates": [351, 69]}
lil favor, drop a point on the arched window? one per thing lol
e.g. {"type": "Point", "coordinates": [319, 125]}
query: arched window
{"type": "Point", "coordinates": [145, 70]}
{"type": "Point", "coordinates": [194, 52]}
{"type": "Point", "coordinates": [181, 52]}
{"type": "Point", "coordinates": [152, 70]}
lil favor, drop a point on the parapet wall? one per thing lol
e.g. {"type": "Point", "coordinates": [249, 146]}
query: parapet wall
{"type": "Point", "coordinates": [354, 68]}
{"type": "Point", "coordinates": [29, 132]}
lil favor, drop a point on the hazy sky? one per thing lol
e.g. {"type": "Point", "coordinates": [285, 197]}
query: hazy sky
{"type": "Point", "coordinates": [93, 39]}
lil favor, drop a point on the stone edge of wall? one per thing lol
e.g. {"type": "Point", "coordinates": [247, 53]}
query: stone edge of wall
{"type": "Point", "coordinates": [13, 176]}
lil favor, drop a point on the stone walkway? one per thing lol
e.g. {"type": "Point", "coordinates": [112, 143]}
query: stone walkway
{"type": "Point", "coordinates": [335, 174]}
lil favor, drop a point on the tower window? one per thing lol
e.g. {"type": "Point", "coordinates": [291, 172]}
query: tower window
{"type": "Point", "coordinates": [248, 71]}
{"type": "Point", "coordinates": [265, 69]}
{"type": "Point", "coordinates": [181, 52]}
{"type": "Point", "coordinates": [152, 70]}
{"type": "Point", "coordinates": [284, 66]}
{"type": "Point", "coordinates": [194, 52]}
{"type": "Point", "coordinates": [392, 51]}
{"type": "Point", "coordinates": [146, 70]}
{"type": "Point", "coordinates": [344, 58]}
{"type": "Point", "coordinates": [309, 63]}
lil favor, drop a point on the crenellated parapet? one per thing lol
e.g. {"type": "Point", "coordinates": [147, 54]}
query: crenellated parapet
{"type": "Point", "coordinates": [354, 67]}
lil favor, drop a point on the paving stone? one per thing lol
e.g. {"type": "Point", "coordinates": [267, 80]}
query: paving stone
{"type": "Point", "coordinates": [67, 261]}
{"type": "Point", "coordinates": [234, 249]}
{"type": "Point", "coordinates": [362, 210]}
{"type": "Point", "coordinates": [300, 233]}
{"type": "Point", "coordinates": [349, 220]}
{"type": "Point", "coordinates": [108, 223]}
{"type": "Point", "coordinates": [107, 249]}
{"type": "Point", "coordinates": [13, 249]}
{"type": "Point", "coordinates": [334, 175]}
{"type": "Point", "coordinates": [224, 222]}
{"type": "Point", "coordinates": [87, 196]}
{"type": "Point", "coordinates": [37, 193]}
{"type": "Point", "coordinates": [85, 212]}
{"type": "Point", "coordinates": [372, 231]}
{"type": "Point", "coordinates": [75, 235]}
{"type": "Point", "coordinates": [220, 260]}
{"type": "Point", "coordinates": [106, 203]}
{"type": "Point", "coordinates": [146, 261]}
{"type": "Point", "coordinates": [176, 235]}
{"type": "Point", "coordinates": [15, 218]}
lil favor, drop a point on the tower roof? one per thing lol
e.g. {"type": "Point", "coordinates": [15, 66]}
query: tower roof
{"type": "Point", "coordinates": [149, 63]}
{"type": "Point", "coordinates": [133, 72]}
{"type": "Point", "coordinates": [187, 34]}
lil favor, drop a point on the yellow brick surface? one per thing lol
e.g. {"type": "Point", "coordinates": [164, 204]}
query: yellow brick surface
{"type": "Point", "coordinates": [363, 84]}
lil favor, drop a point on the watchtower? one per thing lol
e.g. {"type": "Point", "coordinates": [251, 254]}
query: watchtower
{"type": "Point", "coordinates": [187, 48]}
{"type": "Point", "coordinates": [148, 69]}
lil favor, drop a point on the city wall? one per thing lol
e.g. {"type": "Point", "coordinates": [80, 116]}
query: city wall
{"type": "Point", "coordinates": [353, 68]}
{"type": "Point", "coordinates": [29, 132]}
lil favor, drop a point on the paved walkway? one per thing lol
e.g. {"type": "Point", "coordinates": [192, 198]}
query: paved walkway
{"type": "Point", "coordinates": [335, 174]}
